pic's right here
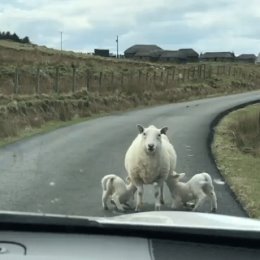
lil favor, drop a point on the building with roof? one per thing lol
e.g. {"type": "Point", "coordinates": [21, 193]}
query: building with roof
{"type": "Point", "coordinates": [141, 51]}
{"type": "Point", "coordinates": [257, 61]}
{"type": "Point", "coordinates": [246, 58]}
{"type": "Point", "coordinates": [172, 56]}
{"type": "Point", "coordinates": [218, 56]}
{"type": "Point", "coordinates": [190, 54]}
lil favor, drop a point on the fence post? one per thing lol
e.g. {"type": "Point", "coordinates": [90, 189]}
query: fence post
{"type": "Point", "coordinates": [122, 79]}
{"type": "Point", "coordinates": [16, 81]}
{"type": "Point", "coordinates": [100, 79]}
{"type": "Point", "coordinates": [38, 80]}
{"type": "Point", "coordinates": [173, 73]}
{"type": "Point", "coordinates": [139, 76]}
{"type": "Point", "coordinates": [146, 78]}
{"type": "Point", "coordinates": [73, 78]}
{"type": "Point", "coordinates": [154, 78]}
{"type": "Point", "coordinates": [167, 77]}
{"type": "Point", "coordinates": [56, 84]}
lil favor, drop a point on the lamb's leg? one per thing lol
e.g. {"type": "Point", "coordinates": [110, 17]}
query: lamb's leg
{"type": "Point", "coordinates": [213, 201]}
{"type": "Point", "coordinates": [201, 199]}
{"type": "Point", "coordinates": [139, 202]}
{"type": "Point", "coordinates": [105, 196]}
{"type": "Point", "coordinates": [176, 203]}
{"type": "Point", "coordinates": [119, 206]}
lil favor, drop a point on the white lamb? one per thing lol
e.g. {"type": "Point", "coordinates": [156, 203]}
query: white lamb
{"type": "Point", "coordinates": [117, 191]}
{"type": "Point", "coordinates": [149, 160]}
{"type": "Point", "coordinates": [197, 189]}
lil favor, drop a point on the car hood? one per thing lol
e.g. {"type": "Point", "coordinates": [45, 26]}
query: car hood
{"type": "Point", "coordinates": [155, 218]}
{"type": "Point", "coordinates": [185, 219]}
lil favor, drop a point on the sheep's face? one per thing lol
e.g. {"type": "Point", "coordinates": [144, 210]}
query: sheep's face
{"type": "Point", "coordinates": [151, 137]}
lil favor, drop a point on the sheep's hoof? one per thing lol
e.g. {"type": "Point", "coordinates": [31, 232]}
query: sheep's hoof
{"type": "Point", "coordinates": [214, 210]}
{"type": "Point", "coordinates": [157, 207]}
{"type": "Point", "coordinates": [105, 207]}
{"type": "Point", "coordinates": [162, 201]}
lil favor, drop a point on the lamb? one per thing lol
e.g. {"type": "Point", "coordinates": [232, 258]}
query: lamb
{"type": "Point", "coordinates": [119, 193]}
{"type": "Point", "coordinates": [198, 189]}
{"type": "Point", "coordinates": [149, 160]}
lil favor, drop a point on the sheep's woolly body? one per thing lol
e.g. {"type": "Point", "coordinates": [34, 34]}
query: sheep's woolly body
{"type": "Point", "coordinates": [147, 168]}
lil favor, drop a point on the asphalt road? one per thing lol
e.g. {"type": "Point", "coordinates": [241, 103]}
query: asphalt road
{"type": "Point", "coordinates": [60, 172]}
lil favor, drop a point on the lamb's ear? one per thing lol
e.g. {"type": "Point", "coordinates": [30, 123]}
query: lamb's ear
{"type": "Point", "coordinates": [182, 175]}
{"type": "Point", "coordinates": [164, 130]}
{"type": "Point", "coordinates": [178, 176]}
{"type": "Point", "coordinates": [140, 128]}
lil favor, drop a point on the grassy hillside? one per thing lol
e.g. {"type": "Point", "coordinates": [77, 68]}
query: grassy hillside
{"type": "Point", "coordinates": [39, 85]}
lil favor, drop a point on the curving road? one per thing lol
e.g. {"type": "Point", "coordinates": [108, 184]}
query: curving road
{"type": "Point", "coordinates": [60, 172]}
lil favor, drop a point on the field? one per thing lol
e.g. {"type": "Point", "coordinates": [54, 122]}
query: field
{"type": "Point", "coordinates": [40, 85]}
{"type": "Point", "coordinates": [237, 150]}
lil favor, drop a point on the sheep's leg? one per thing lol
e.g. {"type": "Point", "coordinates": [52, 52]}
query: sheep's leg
{"type": "Point", "coordinates": [117, 203]}
{"type": "Point", "coordinates": [157, 195]}
{"type": "Point", "coordinates": [161, 195]}
{"type": "Point", "coordinates": [139, 202]}
{"type": "Point", "coordinates": [105, 196]}
{"type": "Point", "coordinates": [213, 201]}
{"type": "Point", "coordinates": [199, 201]}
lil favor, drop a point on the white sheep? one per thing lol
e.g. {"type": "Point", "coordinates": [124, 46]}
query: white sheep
{"type": "Point", "coordinates": [117, 191]}
{"type": "Point", "coordinates": [197, 189]}
{"type": "Point", "coordinates": [149, 160]}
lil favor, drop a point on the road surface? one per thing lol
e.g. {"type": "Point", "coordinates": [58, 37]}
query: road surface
{"type": "Point", "coordinates": [60, 172]}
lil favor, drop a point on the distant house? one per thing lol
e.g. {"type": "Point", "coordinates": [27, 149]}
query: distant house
{"type": "Point", "coordinates": [101, 52]}
{"type": "Point", "coordinates": [172, 56]}
{"type": "Point", "coordinates": [218, 56]}
{"type": "Point", "coordinates": [190, 54]}
{"type": "Point", "coordinates": [141, 51]}
{"type": "Point", "coordinates": [246, 58]}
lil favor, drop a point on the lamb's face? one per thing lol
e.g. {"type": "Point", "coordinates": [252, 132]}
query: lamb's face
{"type": "Point", "coordinates": [151, 137]}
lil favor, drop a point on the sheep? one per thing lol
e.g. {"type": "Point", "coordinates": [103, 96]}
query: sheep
{"type": "Point", "coordinates": [198, 189]}
{"type": "Point", "coordinates": [149, 160]}
{"type": "Point", "coordinates": [119, 193]}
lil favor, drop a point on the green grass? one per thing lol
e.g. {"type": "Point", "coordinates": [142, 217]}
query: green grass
{"type": "Point", "coordinates": [236, 148]}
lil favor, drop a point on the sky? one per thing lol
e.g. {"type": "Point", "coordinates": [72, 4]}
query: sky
{"type": "Point", "coordinates": [204, 25]}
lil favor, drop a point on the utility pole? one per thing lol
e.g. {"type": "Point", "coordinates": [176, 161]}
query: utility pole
{"type": "Point", "coordinates": [117, 46]}
{"type": "Point", "coordinates": [60, 41]}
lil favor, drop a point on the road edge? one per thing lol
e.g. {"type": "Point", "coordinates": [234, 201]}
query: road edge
{"type": "Point", "coordinates": [210, 139]}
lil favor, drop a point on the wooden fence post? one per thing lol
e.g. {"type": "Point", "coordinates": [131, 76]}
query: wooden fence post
{"type": "Point", "coordinates": [16, 81]}
{"type": "Point", "coordinates": [173, 73]}
{"type": "Point", "coordinates": [100, 79]}
{"type": "Point", "coordinates": [122, 79]}
{"type": "Point", "coordinates": [38, 80]}
{"type": "Point", "coordinates": [139, 76]}
{"type": "Point", "coordinates": [56, 84]}
{"type": "Point", "coordinates": [73, 78]}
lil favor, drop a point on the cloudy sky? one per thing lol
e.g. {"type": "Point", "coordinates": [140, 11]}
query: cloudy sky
{"type": "Point", "coordinates": [205, 25]}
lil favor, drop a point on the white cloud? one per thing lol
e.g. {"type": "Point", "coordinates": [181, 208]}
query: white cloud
{"type": "Point", "coordinates": [204, 25]}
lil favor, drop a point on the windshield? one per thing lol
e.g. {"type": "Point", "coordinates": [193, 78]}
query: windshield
{"type": "Point", "coordinates": [115, 107]}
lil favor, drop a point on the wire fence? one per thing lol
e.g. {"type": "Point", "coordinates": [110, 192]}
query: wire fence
{"type": "Point", "coordinates": [62, 79]}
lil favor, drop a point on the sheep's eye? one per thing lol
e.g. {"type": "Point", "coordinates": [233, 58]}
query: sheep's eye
{"type": "Point", "coordinates": [144, 134]}
{"type": "Point", "coordinates": [159, 135]}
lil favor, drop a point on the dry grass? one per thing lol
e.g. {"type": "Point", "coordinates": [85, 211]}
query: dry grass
{"type": "Point", "coordinates": [236, 148]}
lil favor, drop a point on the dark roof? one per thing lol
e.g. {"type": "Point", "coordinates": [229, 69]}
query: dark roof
{"type": "Point", "coordinates": [142, 48]}
{"type": "Point", "coordinates": [172, 54]}
{"type": "Point", "coordinates": [246, 56]}
{"type": "Point", "coordinates": [217, 55]}
{"type": "Point", "coordinates": [189, 52]}
{"type": "Point", "coordinates": [143, 54]}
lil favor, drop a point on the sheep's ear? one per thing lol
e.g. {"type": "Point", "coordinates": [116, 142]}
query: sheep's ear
{"type": "Point", "coordinates": [140, 128]}
{"type": "Point", "coordinates": [164, 130]}
{"type": "Point", "coordinates": [182, 175]}
{"type": "Point", "coordinates": [128, 180]}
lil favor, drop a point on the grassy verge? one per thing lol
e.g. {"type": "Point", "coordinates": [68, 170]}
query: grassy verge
{"type": "Point", "coordinates": [236, 147]}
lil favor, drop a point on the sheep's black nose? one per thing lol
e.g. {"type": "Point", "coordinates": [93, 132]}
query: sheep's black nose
{"type": "Point", "coordinates": [151, 146]}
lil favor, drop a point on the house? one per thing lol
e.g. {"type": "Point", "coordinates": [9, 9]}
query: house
{"type": "Point", "coordinates": [246, 58]}
{"type": "Point", "coordinates": [218, 56]}
{"type": "Point", "coordinates": [190, 54]}
{"type": "Point", "coordinates": [172, 56]}
{"type": "Point", "coordinates": [101, 52]}
{"type": "Point", "coordinates": [141, 51]}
